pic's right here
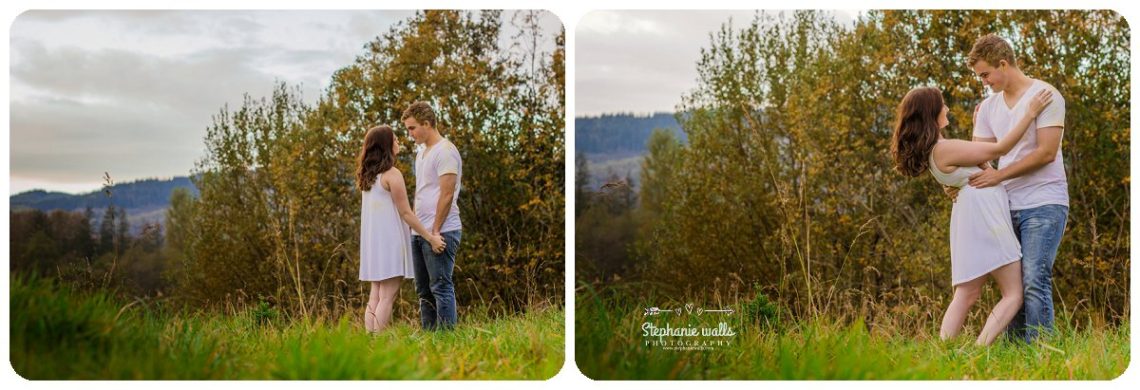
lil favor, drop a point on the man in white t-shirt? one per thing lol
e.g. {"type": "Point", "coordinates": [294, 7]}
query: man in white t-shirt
{"type": "Point", "coordinates": [1033, 174]}
{"type": "Point", "coordinates": [438, 170]}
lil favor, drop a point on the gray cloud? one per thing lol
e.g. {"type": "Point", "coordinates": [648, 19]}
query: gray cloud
{"type": "Point", "coordinates": [71, 141]}
{"type": "Point", "coordinates": [139, 78]}
{"type": "Point", "coordinates": [132, 114]}
{"type": "Point", "coordinates": [643, 61]}
{"type": "Point", "coordinates": [132, 92]}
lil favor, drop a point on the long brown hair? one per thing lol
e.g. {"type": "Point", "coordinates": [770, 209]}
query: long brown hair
{"type": "Point", "coordinates": [916, 130]}
{"type": "Point", "coordinates": [376, 156]}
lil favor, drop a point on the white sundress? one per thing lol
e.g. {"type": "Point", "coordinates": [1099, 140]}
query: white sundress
{"type": "Point", "coordinates": [385, 240]}
{"type": "Point", "coordinates": [981, 230]}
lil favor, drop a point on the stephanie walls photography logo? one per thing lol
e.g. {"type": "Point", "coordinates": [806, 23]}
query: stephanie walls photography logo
{"type": "Point", "coordinates": [687, 328]}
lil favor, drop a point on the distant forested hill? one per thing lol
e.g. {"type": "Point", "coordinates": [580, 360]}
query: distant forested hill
{"type": "Point", "coordinates": [145, 193]}
{"type": "Point", "coordinates": [613, 144]}
{"type": "Point", "coordinates": [619, 135]}
{"type": "Point", "coordinates": [144, 200]}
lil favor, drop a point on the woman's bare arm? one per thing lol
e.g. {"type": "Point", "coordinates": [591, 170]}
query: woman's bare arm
{"type": "Point", "coordinates": [961, 153]}
{"type": "Point", "coordinates": [395, 181]}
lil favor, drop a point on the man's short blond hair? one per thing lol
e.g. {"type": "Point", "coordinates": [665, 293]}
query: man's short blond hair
{"type": "Point", "coordinates": [423, 113]}
{"type": "Point", "coordinates": [992, 49]}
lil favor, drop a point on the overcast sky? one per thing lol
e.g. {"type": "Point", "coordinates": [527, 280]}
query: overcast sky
{"type": "Point", "coordinates": [132, 92]}
{"type": "Point", "coordinates": [644, 61]}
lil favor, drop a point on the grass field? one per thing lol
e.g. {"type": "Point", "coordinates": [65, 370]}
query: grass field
{"type": "Point", "coordinates": [610, 345]}
{"type": "Point", "coordinates": [58, 334]}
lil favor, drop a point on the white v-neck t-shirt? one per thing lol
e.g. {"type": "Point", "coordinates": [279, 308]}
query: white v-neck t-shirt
{"type": "Point", "coordinates": [1047, 185]}
{"type": "Point", "coordinates": [439, 160]}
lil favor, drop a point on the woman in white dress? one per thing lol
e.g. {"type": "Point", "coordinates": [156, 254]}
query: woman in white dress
{"type": "Point", "coordinates": [982, 241]}
{"type": "Point", "coordinates": [385, 241]}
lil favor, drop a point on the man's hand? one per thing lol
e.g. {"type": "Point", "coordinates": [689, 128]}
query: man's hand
{"type": "Point", "coordinates": [986, 178]}
{"type": "Point", "coordinates": [437, 243]}
{"type": "Point", "coordinates": [952, 192]}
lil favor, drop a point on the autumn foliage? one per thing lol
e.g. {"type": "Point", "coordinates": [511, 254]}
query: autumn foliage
{"type": "Point", "coordinates": [785, 182]}
{"type": "Point", "coordinates": [278, 216]}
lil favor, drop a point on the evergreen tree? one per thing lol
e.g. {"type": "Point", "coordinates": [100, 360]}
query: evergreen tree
{"type": "Point", "coordinates": [123, 233]}
{"type": "Point", "coordinates": [582, 191]}
{"type": "Point", "coordinates": [107, 231]}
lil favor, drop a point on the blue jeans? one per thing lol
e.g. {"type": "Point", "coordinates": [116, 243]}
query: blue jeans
{"type": "Point", "coordinates": [434, 285]}
{"type": "Point", "coordinates": [1039, 230]}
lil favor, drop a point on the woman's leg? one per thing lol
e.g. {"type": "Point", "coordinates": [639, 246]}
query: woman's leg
{"type": "Point", "coordinates": [965, 294]}
{"type": "Point", "coordinates": [370, 309]}
{"type": "Point", "coordinates": [1009, 281]}
{"type": "Point", "coordinates": [388, 289]}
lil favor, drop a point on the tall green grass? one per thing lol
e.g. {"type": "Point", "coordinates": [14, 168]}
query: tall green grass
{"type": "Point", "coordinates": [57, 333]}
{"type": "Point", "coordinates": [610, 345]}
